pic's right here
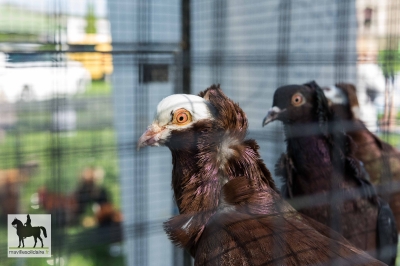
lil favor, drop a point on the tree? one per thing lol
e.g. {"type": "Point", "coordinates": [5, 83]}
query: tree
{"type": "Point", "coordinates": [389, 61]}
{"type": "Point", "coordinates": [90, 20]}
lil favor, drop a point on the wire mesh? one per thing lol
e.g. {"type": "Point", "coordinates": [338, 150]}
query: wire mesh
{"type": "Point", "coordinates": [80, 82]}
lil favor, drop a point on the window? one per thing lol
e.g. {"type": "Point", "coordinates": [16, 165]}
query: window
{"type": "Point", "coordinates": [155, 73]}
{"type": "Point", "coordinates": [368, 17]}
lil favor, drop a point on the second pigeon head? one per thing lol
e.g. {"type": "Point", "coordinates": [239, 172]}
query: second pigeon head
{"type": "Point", "coordinates": [299, 104]}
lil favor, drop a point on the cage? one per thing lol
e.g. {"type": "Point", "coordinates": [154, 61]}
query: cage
{"type": "Point", "coordinates": [80, 81]}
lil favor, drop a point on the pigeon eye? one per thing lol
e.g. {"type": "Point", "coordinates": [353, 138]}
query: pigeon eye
{"type": "Point", "coordinates": [182, 117]}
{"type": "Point", "coordinates": [297, 99]}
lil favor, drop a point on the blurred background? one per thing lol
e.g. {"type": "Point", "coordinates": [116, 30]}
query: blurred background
{"type": "Point", "coordinates": [80, 80]}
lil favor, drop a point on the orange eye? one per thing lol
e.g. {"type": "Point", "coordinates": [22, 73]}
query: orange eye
{"type": "Point", "coordinates": [182, 117]}
{"type": "Point", "coordinates": [297, 99]}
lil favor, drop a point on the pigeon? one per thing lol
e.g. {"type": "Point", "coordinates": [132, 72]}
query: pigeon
{"type": "Point", "coordinates": [380, 159]}
{"type": "Point", "coordinates": [231, 212]}
{"type": "Point", "coordinates": [320, 163]}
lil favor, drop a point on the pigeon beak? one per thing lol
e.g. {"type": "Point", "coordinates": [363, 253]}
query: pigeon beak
{"type": "Point", "coordinates": [151, 136]}
{"type": "Point", "coordinates": [272, 115]}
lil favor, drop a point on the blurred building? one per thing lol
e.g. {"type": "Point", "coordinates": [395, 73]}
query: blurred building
{"type": "Point", "coordinates": [91, 49]}
{"type": "Point", "coordinates": [29, 67]}
{"type": "Point", "coordinates": [377, 27]}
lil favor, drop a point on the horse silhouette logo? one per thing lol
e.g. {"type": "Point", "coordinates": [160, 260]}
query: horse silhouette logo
{"type": "Point", "coordinates": [28, 230]}
{"type": "Point", "coordinates": [36, 226]}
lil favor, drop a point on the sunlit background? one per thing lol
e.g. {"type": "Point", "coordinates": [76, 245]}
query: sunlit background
{"type": "Point", "coordinates": [80, 80]}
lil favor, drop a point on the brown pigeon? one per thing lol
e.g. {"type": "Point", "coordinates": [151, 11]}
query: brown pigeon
{"type": "Point", "coordinates": [230, 210]}
{"type": "Point", "coordinates": [380, 159]}
{"type": "Point", "coordinates": [319, 163]}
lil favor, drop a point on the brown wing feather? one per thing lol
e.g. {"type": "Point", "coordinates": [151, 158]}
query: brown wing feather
{"type": "Point", "coordinates": [382, 162]}
{"type": "Point", "coordinates": [236, 238]}
{"type": "Point", "coordinates": [255, 227]}
{"type": "Point", "coordinates": [380, 159]}
{"type": "Point", "coordinates": [284, 168]}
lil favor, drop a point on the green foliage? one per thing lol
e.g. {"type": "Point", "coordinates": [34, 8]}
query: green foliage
{"type": "Point", "coordinates": [96, 88]}
{"type": "Point", "coordinates": [389, 61]}
{"type": "Point", "coordinates": [79, 259]}
{"type": "Point", "coordinates": [47, 47]}
{"type": "Point", "coordinates": [99, 256]}
{"type": "Point", "coordinates": [61, 158]}
{"type": "Point", "coordinates": [25, 261]}
{"type": "Point", "coordinates": [91, 20]}
{"type": "Point", "coordinates": [18, 37]}
{"type": "Point", "coordinates": [30, 27]}
{"type": "Point", "coordinates": [391, 138]}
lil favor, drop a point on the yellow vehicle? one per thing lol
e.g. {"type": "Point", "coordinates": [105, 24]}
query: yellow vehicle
{"type": "Point", "coordinates": [95, 57]}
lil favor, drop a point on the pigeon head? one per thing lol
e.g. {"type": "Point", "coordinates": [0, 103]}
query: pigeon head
{"type": "Point", "coordinates": [295, 104]}
{"type": "Point", "coordinates": [181, 118]}
{"type": "Point", "coordinates": [205, 135]}
{"type": "Point", "coordinates": [175, 113]}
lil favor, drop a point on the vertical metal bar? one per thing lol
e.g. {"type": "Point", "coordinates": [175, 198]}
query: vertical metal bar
{"type": "Point", "coordinates": [282, 57]}
{"type": "Point", "coordinates": [141, 175]}
{"type": "Point", "coordinates": [18, 164]}
{"type": "Point", "coordinates": [340, 74]}
{"type": "Point", "coordinates": [186, 46]}
{"type": "Point", "coordinates": [218, 39]}
{"type": "Point", "coordinates": [140, 207]}
{"type": "Point", "coordinates": [183, 85]}
{"type": "Point", "coordinates": [58, 235]}
{"type": "Point", "coordinates": [342, 39]}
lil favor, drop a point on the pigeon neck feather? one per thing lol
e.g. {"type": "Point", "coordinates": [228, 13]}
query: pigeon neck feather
{"type": "Point", "coordinates": [210, 158]}
{"type": "Point", "coordinates": [312, 159]}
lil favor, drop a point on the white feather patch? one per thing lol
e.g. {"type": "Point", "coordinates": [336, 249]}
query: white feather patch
{"type": "Point", "coordinates": [225, 151]}
{"type": "Point", "coordinates": [197, 106]}
{"type": "Point", "coordinates": [356, 112]}
{"type": "Point", "coordinates": [186, 225]}
{"type": "Point", "coordinates": [336, 95]}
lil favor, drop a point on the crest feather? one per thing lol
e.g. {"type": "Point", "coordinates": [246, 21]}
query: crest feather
{"type": "Point", "coordinates": [322, 108]}
{"type": "Point", "coordinates": [230, 116]}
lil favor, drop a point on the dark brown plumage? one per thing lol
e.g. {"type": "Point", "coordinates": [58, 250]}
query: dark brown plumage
{"type": "Point", "coordinates": [231, 212]}
{"type": "Point", "coordinates": [380, 159]}
{"type": "Point", "coordinates": [319, 162]}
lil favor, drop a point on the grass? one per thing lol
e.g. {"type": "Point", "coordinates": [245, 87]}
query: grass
{"type": "Point", "coordinates": [98, 88]}
{"type": "Point", "coordinates": [29, 22]}
{"type": "Point", "coordinates": [61, 158]}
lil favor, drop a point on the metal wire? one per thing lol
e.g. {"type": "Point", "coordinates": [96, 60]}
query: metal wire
{"type": "Point", "coordinates": [161, 47]}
